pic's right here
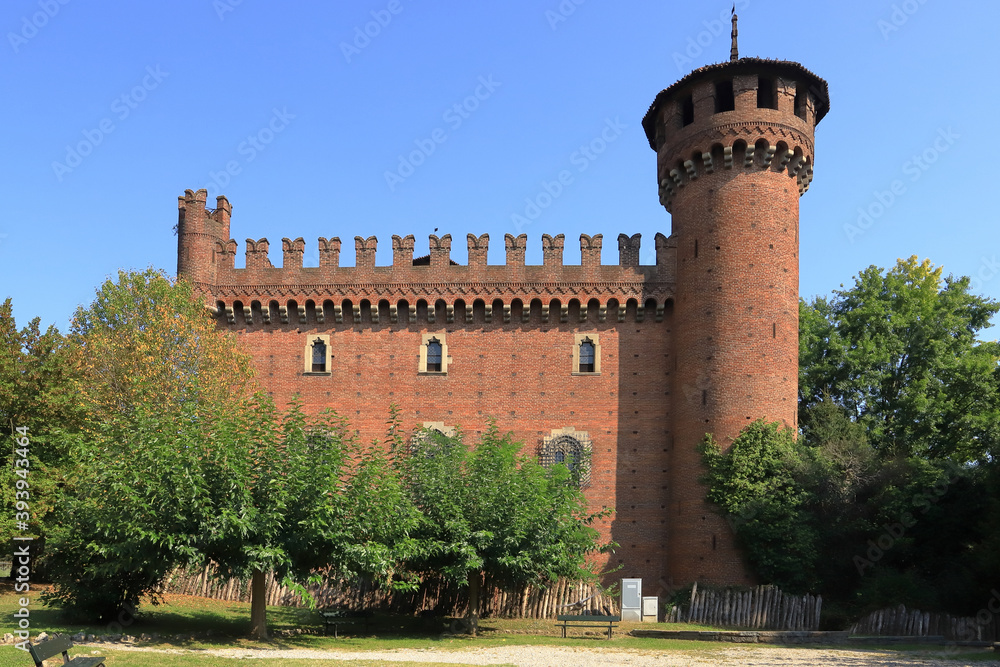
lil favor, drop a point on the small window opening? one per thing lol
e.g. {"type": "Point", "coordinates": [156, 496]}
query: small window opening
{"type": "Point", "coordinates": [687, 111]}
{"type": "Point", "coordinates": [704, 397]}
{"type": "Point", "coordinates": [696, 247]}
{"type": "Point", "coordinates": [587, 357]}
{"type": "Point", "coordinates": [765, 94]}
{"type": "Point", "coordinates": [434, 356]}
{"type": "Point", "coordinates": [724, 98]}
{"type": "Point", "coordinates": [800, 102]}
{"type": "Point", "coordinates": [319, 356]}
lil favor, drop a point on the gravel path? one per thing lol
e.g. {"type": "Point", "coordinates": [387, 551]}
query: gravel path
{"type": "Point", "coordinates": [557, 656]}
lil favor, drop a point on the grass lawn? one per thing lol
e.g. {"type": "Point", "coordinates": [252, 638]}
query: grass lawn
{"type": "Point", "coordinates": [196, 623]}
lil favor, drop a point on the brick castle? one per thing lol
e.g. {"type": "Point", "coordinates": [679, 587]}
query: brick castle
{"type": "Point", "coordinates": [617, 370]}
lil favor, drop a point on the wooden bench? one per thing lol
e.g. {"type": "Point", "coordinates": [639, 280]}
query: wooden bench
{"type": "Point", "coordinates": [57, 645]}
{"type": "Point", "coordinates": [587, 621]}
{"type": "Point", "coordinates": [336, 617]}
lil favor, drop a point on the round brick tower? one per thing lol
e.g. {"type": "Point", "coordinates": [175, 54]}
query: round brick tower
{"type": "Point", "coordinates": [734, 145]}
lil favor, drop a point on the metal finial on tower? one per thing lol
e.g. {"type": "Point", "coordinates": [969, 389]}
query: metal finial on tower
{"type": "Point", "coordinates": [734, 53]}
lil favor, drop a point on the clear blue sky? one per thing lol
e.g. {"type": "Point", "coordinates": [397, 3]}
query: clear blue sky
{"type": "Point", "coordinates": [138, 101]}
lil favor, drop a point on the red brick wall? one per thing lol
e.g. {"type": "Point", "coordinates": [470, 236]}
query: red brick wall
{"type": "Point", "coordinates": [522, 375]}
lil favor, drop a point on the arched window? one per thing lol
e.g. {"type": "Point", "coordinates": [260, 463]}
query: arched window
{"type": "Point", "coordinates": [434, 356]}
{"type": "Point", "coordinates": [586, 354]}
{"type": "Point", "coordinates": [586, 357]}
{"type": "Point", "coordinates": [571, 448]}
{"type": "Point", "coordinates": [319, 356]}
{"type": "Point", "coordinates": [316, 355]}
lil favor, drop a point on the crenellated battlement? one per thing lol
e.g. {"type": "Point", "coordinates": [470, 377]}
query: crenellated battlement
{"type": "Point", "coordinates": [262, 293]}
{"type": "Point", "coordinates": [294, 251]}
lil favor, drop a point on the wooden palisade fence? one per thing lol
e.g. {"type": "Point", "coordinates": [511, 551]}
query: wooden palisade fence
{"type": "Point", "coordinates": [763, 607]}
{"type": "Point", "coordinates": [524, 602]}
{"type": "Point", "coordinates": [902, 622]}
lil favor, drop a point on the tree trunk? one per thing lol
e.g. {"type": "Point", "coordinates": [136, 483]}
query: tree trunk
{"type": "Point", "coordinates": [472, 617]}
{"type": "Point", "coordinates": [258, 606]}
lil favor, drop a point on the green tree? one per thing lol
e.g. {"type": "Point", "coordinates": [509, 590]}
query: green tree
{"type": "Point", "coordinates": [154, 378]}
{"type": "Point", "coordinates": [899, 402]}
{"type": "Point", "coordinates": [758, 483]}
{"type": "Point", "coordinates": [899, 351]}
{"type": "Point", "coordinates": [184, 463]}
{"type": "Point", "coordinates": [36, 374]}
{"type": "Point", "coordinates": [490, 508]}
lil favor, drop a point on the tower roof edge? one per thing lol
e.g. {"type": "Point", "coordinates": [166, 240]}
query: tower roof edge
{"type": "Point", "coordinates": [818, 85]}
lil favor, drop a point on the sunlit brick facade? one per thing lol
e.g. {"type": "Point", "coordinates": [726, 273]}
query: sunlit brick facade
{"type": "Point", "coordinates": [624, 364]}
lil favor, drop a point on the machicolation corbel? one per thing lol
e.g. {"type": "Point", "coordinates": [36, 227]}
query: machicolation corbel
{"type": "Point", "coordinates": [707, 159]}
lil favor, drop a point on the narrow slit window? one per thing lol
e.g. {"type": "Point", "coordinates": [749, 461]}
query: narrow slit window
{"type": "Point", "coordinates": [687, 111]}
{"type": "Point", "coordinates": [319, 356]}
{"type": "Point", "coordinates": [433, 356]}
{"type": "Point", "coordinates": [587, 357]}
{"type": "Point", "coordinates": [800, 102]}
{"type": "Point", "coordinates": [765, 94]}
{"type": "Point", "coordinates": [724, 98]}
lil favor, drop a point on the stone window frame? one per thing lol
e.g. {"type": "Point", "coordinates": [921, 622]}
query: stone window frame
{"type": "Point", "coordinates": [580, 339]}
{"type": "Point", "coordinates": [569, 442]}
{"type": "Point", "coordinates": [307, 355]}
{"type": "Point", "coordinates": [445, 358]}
